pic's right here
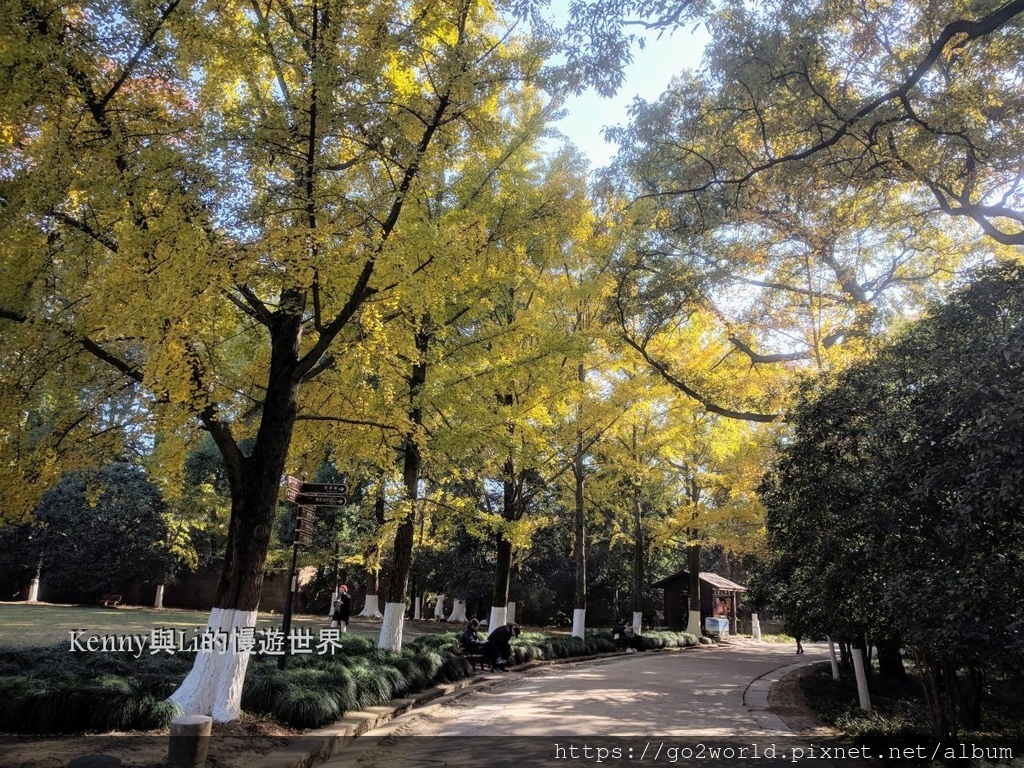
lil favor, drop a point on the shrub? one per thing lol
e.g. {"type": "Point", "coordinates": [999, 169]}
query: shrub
{"type": "Point", "coordinates": [306, 707]}
{"type": "Point", "coordinates": [357, 645]}
{"type": "Point", "coordinates": [395, 679]}
{"type": "Point", "coordinates": [437, 642]}
{"type": "Point", "coordinates": [456, 668]}
{"type": "Point", "coordinates": [414, 677]}
{"type": "Point", "coordinates": [263, 686]}
{"type": "Point", "coordinates": [340, 683]}
{"type": "Point", "coordinates": [372, 688]}
{"type": "Point", "coordinates": [431, 662]}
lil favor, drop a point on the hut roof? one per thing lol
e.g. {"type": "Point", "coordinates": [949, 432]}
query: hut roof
{"type": "Point", "coordinates": [719, 582]}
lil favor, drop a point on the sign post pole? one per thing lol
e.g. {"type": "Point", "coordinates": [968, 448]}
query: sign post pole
{"type": "Point", "coordinates": [308, 496]}
{"type": "Point", "coordinates": [286, 624]}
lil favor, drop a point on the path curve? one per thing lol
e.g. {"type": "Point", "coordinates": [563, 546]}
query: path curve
{"type": "Point", "coordinates": [645, 707]}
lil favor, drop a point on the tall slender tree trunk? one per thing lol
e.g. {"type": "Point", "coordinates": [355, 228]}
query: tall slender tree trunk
{"type": "Point", "coordinates": [693, 565]}
{"type": "Point", "coordinates": [510, 512]}
{"type": "Point", "coordinates": [401, 563]}
{"type": "Point", "coordinates": [371, 559]}
{"type": "Point", "coordinates": [579, 614]}
{"type": "Point", "coordinates": [503, 564]}
{"type": "Point", "coordinates": [636, 590]}
{"type": "Point", "coordinates": [580, 608]}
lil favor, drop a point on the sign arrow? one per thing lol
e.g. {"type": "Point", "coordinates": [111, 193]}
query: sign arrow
{"type": "Point", "coordinates": [317, 499]}
{"type": "Point", "coordinates": [338, 489]}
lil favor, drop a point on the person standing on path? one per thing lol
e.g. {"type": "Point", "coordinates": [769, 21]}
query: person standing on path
{"type": "Point", "coordinates": [342, 609]}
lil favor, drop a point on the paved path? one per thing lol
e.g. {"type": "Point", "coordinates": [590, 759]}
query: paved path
{"type": "Point", "coordinates": [643, 707]}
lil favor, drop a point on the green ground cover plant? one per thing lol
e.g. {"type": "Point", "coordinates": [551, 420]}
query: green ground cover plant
{"type": "Point", "coordinates": [900, 713]}
{"type": "Point", "coordinates": [52, 690]}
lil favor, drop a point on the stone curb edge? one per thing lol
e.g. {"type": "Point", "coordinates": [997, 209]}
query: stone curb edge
{"type": "Point", "coordinates": [755, 697]}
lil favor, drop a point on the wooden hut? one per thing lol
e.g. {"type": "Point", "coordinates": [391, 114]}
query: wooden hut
{"type": "Point", "coordinates": [718, 598]}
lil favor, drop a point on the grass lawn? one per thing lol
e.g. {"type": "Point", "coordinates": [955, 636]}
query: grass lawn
{"type": "Point", "coordinates": [23, 625]}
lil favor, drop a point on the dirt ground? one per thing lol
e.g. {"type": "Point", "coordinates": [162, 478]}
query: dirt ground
{"type": "Point", "coordinates": [236, 745]}
{"type": "Point", "coordinates": [233, 745]}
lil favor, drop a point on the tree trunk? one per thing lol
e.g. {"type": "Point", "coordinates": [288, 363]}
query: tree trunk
{"type": "Point", "coordinates": [938, 695]}
{"type": "Point", "coordinates": [214, 686]}
{"type": "Point", "coordinates": [580, 606]}
{"type": "Point", "coordinates": [502, 580]}
{"type": "Point", "coordinates": [371, 561]}
{"type": "Point", "coordinates": [636, 588]}
{"type": "Point", "coordinates": [890, 660]}
{"type": "Point", "coordinates": [503, 564]}
{"type": "Point", "coordinates": [693, 625]}
{"type": "Point", "coordinates": [458, 614]}
{"type": "Point", "coordinates": [860, 666]}
{"type": "Point", "coordinates": [970, 689]}
{"type": "Point", "coordinates": [371, 575]}
{"type": "Point", "coordinates": [401, 562]}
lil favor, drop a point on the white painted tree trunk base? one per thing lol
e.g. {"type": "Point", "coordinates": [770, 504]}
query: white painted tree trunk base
{"type": "Point", "coordinates": [33, 591]}
{"type": "Point", "coordinates": [693, 624]}
{"type": "Point", "coordinates": [370, 609]}
{"type": "Point", "coordinates": [439, 608]}
{"type": "Point", "coordinates": [159, 601]}
{"type": "Point", "coordinates": [214, 686]}
{"type": "Point", "coordinates": [416, 603]}
{"type": "Point", "coordinates": [832, 658]}
{"type": "Point", "coordinates": [638, 622]}
{"type": "Point", "coordinates": [863, 696]}
{"type": "Point", "coordinates": [458, 611]}
{"type": "Point", "coordinates": [391, 628]}
{"type": "Point", "coordinates": [497, 617]}
{"type": "Point", "coordinates": [579, 622]}
{"type": "Point", "coordinates": [510, 613]}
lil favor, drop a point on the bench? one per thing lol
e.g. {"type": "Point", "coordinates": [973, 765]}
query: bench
{"type": "Point", "coordinates": [473, 658]}
{"type": "Point", "coordinates": [110, 601]}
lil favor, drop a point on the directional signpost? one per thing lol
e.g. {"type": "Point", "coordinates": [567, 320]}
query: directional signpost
{"type": "Point", "coordinates": [304, 526]}
{"type": "Point", "coordinates": [316, 494]}
{"type": "Point", "coordinates": [308, 496]}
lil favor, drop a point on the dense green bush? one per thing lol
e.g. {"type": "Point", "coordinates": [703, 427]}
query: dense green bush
{"type": "Point", "coordinates": [61, 692]}
{"type": "Point", "coordinates": [900, 716]}
{"type": "Point", "coordinates": [305, 707]}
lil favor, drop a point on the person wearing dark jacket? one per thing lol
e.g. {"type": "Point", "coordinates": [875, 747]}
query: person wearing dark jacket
{"type": "Point", "coordinates": [342, 609]}
{"type": "Point", "coordinates": [624, 636]}
{"type": "Point", "coordinates": [498, 648]}
{"type": "Point", "coordinates": [470, 640]}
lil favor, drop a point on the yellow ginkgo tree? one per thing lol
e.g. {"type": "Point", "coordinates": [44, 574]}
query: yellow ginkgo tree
{"type": "Point", "coordinates": [202, 205]}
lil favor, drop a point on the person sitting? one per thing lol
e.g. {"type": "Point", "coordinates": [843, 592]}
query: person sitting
{"type": "Point", "coordinates": [624, 636]}
{"type": "Point", "coordinates": [498, 647]}
{"type": "Point", "coordinates": [470, 640]}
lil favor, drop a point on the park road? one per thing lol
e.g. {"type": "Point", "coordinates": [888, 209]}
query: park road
{"type": "Point", "coordinates": [681, 707]}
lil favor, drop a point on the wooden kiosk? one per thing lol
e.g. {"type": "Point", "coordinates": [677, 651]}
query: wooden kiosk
{"type": "Point", "coordinates": [718, 598]}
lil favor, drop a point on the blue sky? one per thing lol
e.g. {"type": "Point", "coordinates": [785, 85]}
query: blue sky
{"type": "Point", "coordinates": [650, 72]}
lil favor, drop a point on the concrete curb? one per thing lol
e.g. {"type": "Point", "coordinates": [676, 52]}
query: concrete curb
{"type": "Point", "coordinates": [755, 697]}
{"type": "Point", "coordinates": [318, 746]}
